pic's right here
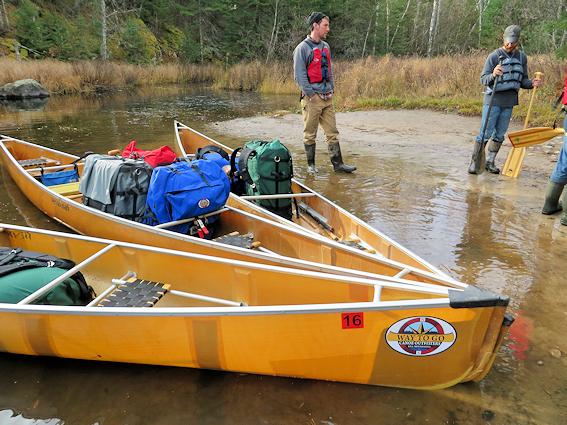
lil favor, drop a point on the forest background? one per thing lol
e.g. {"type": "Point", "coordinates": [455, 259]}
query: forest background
{"type": "Point", "coordinates": [388, 53]}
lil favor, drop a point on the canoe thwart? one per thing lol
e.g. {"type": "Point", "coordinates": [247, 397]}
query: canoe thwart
{"type": "Point", "coordinates": [135, 293]}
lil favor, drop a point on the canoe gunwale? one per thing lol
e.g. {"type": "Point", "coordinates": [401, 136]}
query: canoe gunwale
{"type": "Point", "coordinates": [226, 311]}
{"type": "Point", "coordinates": [383, 281]}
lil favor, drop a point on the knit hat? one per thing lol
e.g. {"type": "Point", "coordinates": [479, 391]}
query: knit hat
{"type": "Point", "coordinates": [512, 34]}
{"type": "Point", "coordinates": [315, 18]}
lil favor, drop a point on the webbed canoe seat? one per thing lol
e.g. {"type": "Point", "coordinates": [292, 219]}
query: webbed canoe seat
{"type": "Point", "coordinates": [135, 293]}
{"type": "Point", "coordinates": [66, 189]}
{"type": "Point", "coordinates": [42, 161]}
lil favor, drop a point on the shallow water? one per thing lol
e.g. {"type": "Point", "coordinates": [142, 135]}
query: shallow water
{"type": "Point", "coordinates": [484, 230]}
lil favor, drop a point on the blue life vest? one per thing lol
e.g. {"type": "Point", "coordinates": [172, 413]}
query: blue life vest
{"type": "Point", "coordinates": [184, 190]}
{"type": "Point", "coordinates": [513, 74]}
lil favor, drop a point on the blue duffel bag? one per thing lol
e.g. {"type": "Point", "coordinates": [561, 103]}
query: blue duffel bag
{"type": "Point", "coordinates": [184, 190]}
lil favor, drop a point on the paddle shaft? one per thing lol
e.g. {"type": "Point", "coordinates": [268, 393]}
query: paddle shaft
{"type": "Point", "coordinates": [491, 101]}
{"type": "Point", "coordinates": [537, 76]}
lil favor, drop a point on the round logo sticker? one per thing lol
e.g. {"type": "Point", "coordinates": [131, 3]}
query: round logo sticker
{"type": "Point", "coordinates": [421, 336]}
{"type": "Point", "coordinates": [204, 203]}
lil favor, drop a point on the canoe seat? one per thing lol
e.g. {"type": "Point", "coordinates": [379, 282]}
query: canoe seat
{"type": "Point", "coordinates": [135, 293]}
{"type": "Point", "coordinates": [66, 189]}
{"type": "Point", "coordinates": [42, 161]}
{"type": "Point", "coordinates": [236, 239]}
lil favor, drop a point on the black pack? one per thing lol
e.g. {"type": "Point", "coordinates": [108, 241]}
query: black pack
{"type": "Point", "coordinates": [128, 186]}
{"type": "Point", "coordinates": [13, 260]}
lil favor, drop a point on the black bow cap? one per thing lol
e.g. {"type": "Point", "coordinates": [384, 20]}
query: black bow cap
{"type": "Point", "coordinates": [315, 18]}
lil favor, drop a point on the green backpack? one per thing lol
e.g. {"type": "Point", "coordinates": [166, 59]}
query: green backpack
{"type": "Point", "coordinates": [266, 169]}
{"type": "Point", "coordinates": [24, 272]}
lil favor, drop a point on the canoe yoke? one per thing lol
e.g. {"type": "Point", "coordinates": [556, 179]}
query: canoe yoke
{"type": "Point", "coordinates": [136, 293]}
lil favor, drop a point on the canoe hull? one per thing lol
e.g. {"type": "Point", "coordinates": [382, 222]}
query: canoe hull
{"type": "Point", "coordinates": [292, 322]}
{"type": "Point", "coordinates": [299, 345]}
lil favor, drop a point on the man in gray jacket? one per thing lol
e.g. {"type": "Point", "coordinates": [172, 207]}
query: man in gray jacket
{"type": "Point", "coordinates": [505, 72]}
{"type": "Point", "coordinates": [314, 76]}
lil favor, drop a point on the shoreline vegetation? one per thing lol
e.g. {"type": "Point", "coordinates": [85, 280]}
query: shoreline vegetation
{"type": "Point", "coordinates": [442, 83]}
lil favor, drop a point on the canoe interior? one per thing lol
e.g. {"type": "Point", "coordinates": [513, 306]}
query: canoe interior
{"type": "Point", "coordinates": [273, 237]}
{"type": "Point", "coordinates": [244, 283]}
{"type": "Point", "coordinates": [346, 228]}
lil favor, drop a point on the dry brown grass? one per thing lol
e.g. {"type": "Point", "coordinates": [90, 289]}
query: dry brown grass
{"type": "Point", "coordinates": [442, 83]}
{"type": "Point", "coordinates": [87, 76]}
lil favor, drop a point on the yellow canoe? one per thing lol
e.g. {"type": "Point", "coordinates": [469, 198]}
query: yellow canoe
{"type": "Point", "coordinates": [224, 314]}
{"type": "Point", "coordinates": [279, 244]}
{"type": "Point", "coordinates": [316, 213]}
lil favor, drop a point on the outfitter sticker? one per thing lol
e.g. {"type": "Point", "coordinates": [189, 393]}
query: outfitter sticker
{"type": "Point", "coordinates": [421, 336]}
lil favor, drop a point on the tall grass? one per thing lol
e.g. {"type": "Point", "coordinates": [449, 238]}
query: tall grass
{"type": "Point", "coordinates": [88, 76]}
{"type": "Point", "coordinates": [449, 83]}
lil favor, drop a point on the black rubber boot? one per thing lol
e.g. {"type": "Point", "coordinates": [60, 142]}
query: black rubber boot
{"type": "Point", "coordinates": [493, 148]}
{"type": "Point", "coordinates": [552, 194]}
{"type": "Point", "coordinates": [564, 215]}
{"type": "Point", "coordinates": [477, 159]}
{"type": "Point", "coordinates": [337, 159]}
{"type": "Point", "coordinates": [310, 152]}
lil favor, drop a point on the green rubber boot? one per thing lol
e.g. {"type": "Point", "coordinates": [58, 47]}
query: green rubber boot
{"type": "Point", "coordinates": [552, 194]}
{"type": "Point", "coordinates": [493, 148]}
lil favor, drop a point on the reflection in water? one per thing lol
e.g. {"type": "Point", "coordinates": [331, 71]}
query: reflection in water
{"type": "Point", "coordinates": [486, 231]}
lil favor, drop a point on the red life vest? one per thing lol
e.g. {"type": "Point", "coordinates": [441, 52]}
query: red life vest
{"type": "Point", "coordinates": [319, 69]}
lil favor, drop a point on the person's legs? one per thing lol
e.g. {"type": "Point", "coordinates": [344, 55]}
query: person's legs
{"type": "Point", "coordinates": [311, 111]}
{"type": "Point", "coordinates": [501, 124]}
{"type": "Point", "coordinates": [329, 125]}
{"type": "Point", "coordinates": [476, 165]}
{"type": "Point", "coordinates": [556, 183]}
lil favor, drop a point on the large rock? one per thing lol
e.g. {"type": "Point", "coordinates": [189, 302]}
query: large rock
{"type": "Point", "coordinates": [23, 89]}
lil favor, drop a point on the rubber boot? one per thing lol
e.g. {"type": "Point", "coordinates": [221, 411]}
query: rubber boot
{"type": "Point", "coordinates": [477, 158]}
{"type": "Point", "coordinates": [552, 194]}
{"type": "Point", "coordinates": [493, 148]}
{"type": "Point", "coordinates": [310, 152]}
{"type": "Point", "coordinates": [564, 215]}
{"type": "Point", "coordinates": [337, 159]}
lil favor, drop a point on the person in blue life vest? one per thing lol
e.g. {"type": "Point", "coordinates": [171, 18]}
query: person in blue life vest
{"type": "Point", "coordinates": [314, 76]}
{"type": "Point", "coordinates": [558, 178]}
{"type": "Point", "coordinates": [505, 72]}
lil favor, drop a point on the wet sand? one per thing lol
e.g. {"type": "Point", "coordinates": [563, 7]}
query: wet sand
{"type": "Point", "coordinates": [425, 136]}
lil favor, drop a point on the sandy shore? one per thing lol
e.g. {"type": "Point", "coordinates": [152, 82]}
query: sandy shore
{"type": "Point", "coordinates": [432, 136]}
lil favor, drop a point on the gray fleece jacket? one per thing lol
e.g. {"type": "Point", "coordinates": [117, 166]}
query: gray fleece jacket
{"type": "Point", "coordinates": [302, 56]}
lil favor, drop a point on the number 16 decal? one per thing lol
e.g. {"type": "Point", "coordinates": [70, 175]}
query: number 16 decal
{"type": "Point", "coordinates": [352, 320]}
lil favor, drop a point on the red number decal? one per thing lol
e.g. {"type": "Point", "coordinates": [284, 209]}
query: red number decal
{"type": "Point", "coordinates": [352, 320]}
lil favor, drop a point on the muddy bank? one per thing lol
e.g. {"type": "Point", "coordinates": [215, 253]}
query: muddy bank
{"type": "Point", "coordinates": [420, 135]}
{"type": "Point", "coordinates": [433, 143]}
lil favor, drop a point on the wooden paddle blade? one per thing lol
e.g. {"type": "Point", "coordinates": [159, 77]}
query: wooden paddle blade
{"type": "Point", "coordinates": [533, 136]}
{"type": "Point", "coordinates": [513, 164]}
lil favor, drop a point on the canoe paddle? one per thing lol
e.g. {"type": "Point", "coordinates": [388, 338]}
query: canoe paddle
{"type": "Point", "coordinates": [513, 164]}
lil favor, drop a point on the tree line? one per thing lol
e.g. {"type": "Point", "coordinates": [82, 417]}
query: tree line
{"type": "Point", "coordinates": [230, 31]}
